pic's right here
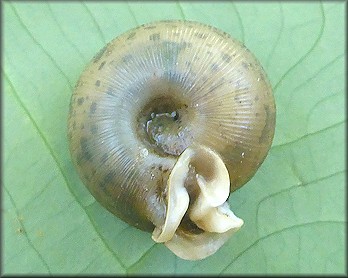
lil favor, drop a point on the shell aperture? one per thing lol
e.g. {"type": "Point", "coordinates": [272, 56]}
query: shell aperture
{"type": "Point", "coordinates": [209, 209]}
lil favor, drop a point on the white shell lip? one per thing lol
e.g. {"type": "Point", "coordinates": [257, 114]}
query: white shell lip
{"type": "Point", "coordinates": [209, 210]}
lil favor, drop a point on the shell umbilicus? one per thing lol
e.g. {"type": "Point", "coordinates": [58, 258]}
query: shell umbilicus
{"type": "Point", "coordinates": [165, 122]}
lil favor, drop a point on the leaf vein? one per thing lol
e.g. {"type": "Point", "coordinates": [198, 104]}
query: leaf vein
{"type": "Point", "coordinates": [309, 135]}
{"type": "Point", "coordinates": [41, 47]}
{"type": "Point", "coordinates": [289, 189]}
{"type": "Point", "coordinates": [132, 13]}
{"type": "Point", "coordinates": [311, 111]}
{"type": "Point", "coordinates": [101, 35]}
{"type": "Point", "coordinates": [240, 22]}
{"type": "Point", "coordinates": [97, 256]}
{"type": "Point", "coordinates": [316, 42]}
{"type": "Point", "coordinates": [319, 71]}
{"type": "Point", "coordinates": [25, 233]}
{"type": "Point", "coordinates": [181, 10]}
{"type": "Point", "coordinates": [60, 168]}
{"type": "Point", "coordinates": [275, 45]}
{"type": "Point", "coordinates": [142, 257]}
{"type": "Point", "coordinates": [44, 188]}
{"type": "Point", "coordinates": [64, 34]}
{"type": "Point", "coordinates": [279, 232]}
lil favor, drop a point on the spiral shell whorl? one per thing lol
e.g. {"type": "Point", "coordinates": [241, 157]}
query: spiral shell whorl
{"type": "Point", "coordinates": [228, 107]}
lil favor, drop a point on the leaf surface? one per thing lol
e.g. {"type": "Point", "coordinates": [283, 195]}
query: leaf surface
{"type": "Point", "coordinates": [293, 208]}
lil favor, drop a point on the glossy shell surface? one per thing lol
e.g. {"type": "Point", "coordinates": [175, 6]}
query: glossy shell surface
{"type": "Point", "coordinates": [151, 93]}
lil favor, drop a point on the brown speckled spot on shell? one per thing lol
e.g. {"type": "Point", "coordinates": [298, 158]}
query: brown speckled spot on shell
{"type": "Point", "coordinates": [149, 27]}
{"type": "Point", "coordinates": [101, 65]}
{"type": "Point", "coordinates": [226, 57]}
{"type": "Point", "coordinates": [94, 129]}
{"type": "Point", "coordinates": [107, 180]}
{"type": "Point", "coordinates": [93, 108]}
{"type": "Point", "coordinates": [201, 35]}
{"type": "Point", "coordinates": [131, 35]}
{"type": "Point", "coordinates": [155, 37]}
{"type": "Point", "coordinates": [99, 54]}
{"type": "Point", "coordinates": [214, 67]}
{"type": "Point", "coordinates": [127, 58]}
{"type": "Point", "coordinates": [246, 65]}
{"type": "Point", "coordinates": [85, 149]}
{"type": "Point", "coordinates": [80, 100]}
{"type": "Point", "coordinates": [269, 125]}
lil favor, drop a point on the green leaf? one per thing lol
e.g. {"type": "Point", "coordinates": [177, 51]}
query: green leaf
{"type": "Point", "coordinates": [293, 208]}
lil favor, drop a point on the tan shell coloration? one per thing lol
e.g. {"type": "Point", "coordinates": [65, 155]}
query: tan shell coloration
{"type": "Point", "coordinates": [154, 92]}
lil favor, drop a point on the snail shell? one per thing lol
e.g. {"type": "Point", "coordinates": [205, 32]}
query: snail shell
{"type": "Point", "coordinates": [166, 121]}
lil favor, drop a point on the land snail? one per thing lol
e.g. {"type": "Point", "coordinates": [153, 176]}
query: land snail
{"type": "Point", "coordinates": [165, 122]}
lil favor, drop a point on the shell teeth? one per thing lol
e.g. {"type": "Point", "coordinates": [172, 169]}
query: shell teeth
{"type": "Point", "coordinates": [210, 218]}
{"type": "Point", "coordinates": [208, 208]}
